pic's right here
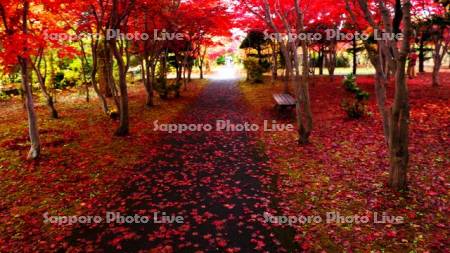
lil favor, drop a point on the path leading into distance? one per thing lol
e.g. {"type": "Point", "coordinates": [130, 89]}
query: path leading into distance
{"type": "Point", "coordinates": [218, 182]}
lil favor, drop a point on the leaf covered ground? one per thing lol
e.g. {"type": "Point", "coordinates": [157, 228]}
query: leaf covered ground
{"type": "Point", "coordinates": [82, 162]}
{"type": "Point", "coordinates": [224, 182]}
{"type": "Point", "coordinates": [345, 169]}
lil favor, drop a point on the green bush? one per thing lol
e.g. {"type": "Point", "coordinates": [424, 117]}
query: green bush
{"type": "Point", "coordinates": [254, 70]}
{"type": "Point", "coordinates": [266, 65]}
{"type": "Point", "coordinates": [3, 96]}
{"type": "Point", "coordinates": [355, 107]}
{"type": "Point", "coordinates": [72, 78]}
{"type": "Point", "coordinates": [221, 60]}
{"type": "Point", "coordinates": [66, 78]}
{"type": "Point", "coordinates": [342, 62]}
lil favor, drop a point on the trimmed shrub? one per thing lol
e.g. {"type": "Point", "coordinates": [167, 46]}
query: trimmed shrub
{"type": "Point", "coordinates": [254, 70]}
{"type": "Point", "coordinates": [356, 106]}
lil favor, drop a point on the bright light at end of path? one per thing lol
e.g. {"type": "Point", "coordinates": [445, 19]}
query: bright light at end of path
{"type": "Point", "coordinates": [227, 72]}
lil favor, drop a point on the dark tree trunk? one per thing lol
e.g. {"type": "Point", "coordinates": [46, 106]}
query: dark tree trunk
{"type": "Point", "coordinates": [320, 61]}
{"type": "Point", "coordinates": [421, 55]}
{"type": "Point", "coordinates": [355, 56]}
{"type": "Point", "coordinates": [148, 83]}
{"type": "Point", "coordinates": [124, 127]}
{"type": "Point", "coordinates": [200, 67]}
{"type": "Point", "coordinates": [104, 69]}
{"type": "Point", "coordinates": [397, 17]}
{"type": "Point", "coordinates": [400, 114]}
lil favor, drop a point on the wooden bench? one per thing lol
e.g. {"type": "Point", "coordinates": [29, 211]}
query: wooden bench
{"type": "Point", "coordinates": [284, 101]}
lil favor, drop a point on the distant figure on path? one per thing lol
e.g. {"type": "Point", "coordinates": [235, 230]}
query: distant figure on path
{"type": "Point", "coordinates": [412, 65]}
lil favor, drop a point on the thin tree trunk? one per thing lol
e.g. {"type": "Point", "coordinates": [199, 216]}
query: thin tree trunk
{"type": "Point", "coordinates": [307, 123]}
{"type": "Point", "coordinates": [421, 55]}
{"type": "Point", "coordinates": [274, 62]}
{"type": "Point", "coordinates": [331, 59]}
{"type": "Point", "coordinates": [202, 61]}
{"type": "Point", "coordinates": [439, 53]}
{"type": "Point", "coordinates": [124, 127]}
{"type": "Point", "coordinates": [320, 61]}
{"type": "Point", "coordinates": [102, 98]}
{"type": "Point", "coordinates": [35, 149]}
{"type": "Point", "coordinates": [48, 97]}
{"type": "Point", "coordinates": [288, 66]}
{"type": "Point", "coordinates": [104, 68]}
{"type": "Point", "coordinates": [436, 81]}
{"type": "Point", "coordinates": [110, 81]}
{"type": "Point", "coordinates": [84, 64]}
{"type": "Point", "coordinates": [305, 117]}
{"type": "Point", "coordinates": [148, 83]}
{"type": "Point", "coordinates": [355, 55]}
{"type": "Point", "coordinates": [190, 73]}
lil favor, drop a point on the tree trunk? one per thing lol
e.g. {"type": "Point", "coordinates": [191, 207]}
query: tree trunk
{"type": "Point", "coordinates": [331, 59]}
{"type": "Point", "coordinates": [439, 53]}
{"type": "Point", "coordinates": [320, 61]}
{"type": "Point", "coordinates": [399, 129]}
{"type": "Point", "coordinates": [184, 69]}
{"type": "Point", "coordinates": [395, 120]}
{"type": "Point", "coordinates": [84, 64]}
{"type": "Point", "coordinates": [48, 97]}
{"type": "Point", "coordinates": [304, 104]}
{"type": "Point", "coordinates": [35, 149]}
{"type": "Point", "coordinates": [104, 69]}
{"type": "Point", "coordinates": [200, 67]}
{"type": "Point", "coordinates": [380, 92]}
{"type": "Point", "coordinates": [421, 55]}
{"type": "Point", "coordinates": [355, 55]}
{"type": "Point", "coordinates": [201, 60]}
{"type": "Point", "coordinates": [148, 83]}
{"type": "Point", "coordinates": [400, 115]}
{"type": "Point", "coordinates": [274, 62]}
{"type": "Point", "coordinates": [305, 119]}
{"type": "Point", "coordinates": [436, 81]}
{"type": "Point", "coordinates": [111, 90]}
{"type": "Point", "coordinates": [288, 66]}
{"type": "Point", "coordinates": [124, 127]}
{"type": "Point", "coordinates": [100, 95]}
{"type": "Point", "coordinates": [190, 73]}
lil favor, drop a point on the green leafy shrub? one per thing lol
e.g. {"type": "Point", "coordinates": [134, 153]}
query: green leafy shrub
{"type": "Point", "coordinates": [350, 83]}
{"type": "Point", "coordinates": [71, 78]}
{"type": "Point", "coordinates": [3, 96]}
{"type": "Point", "coordinates": [66, 79]}
{"type": "Point", "coordinates": [266, 65]}
{"type": "Point", "coordinates": [342, 61]}
{"type": "Point", "coordinates": [254, 70]}
{"type": "Point", "coordinates": [356, 106]}
{"type": "Point", "coordinates": [221, 60]}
